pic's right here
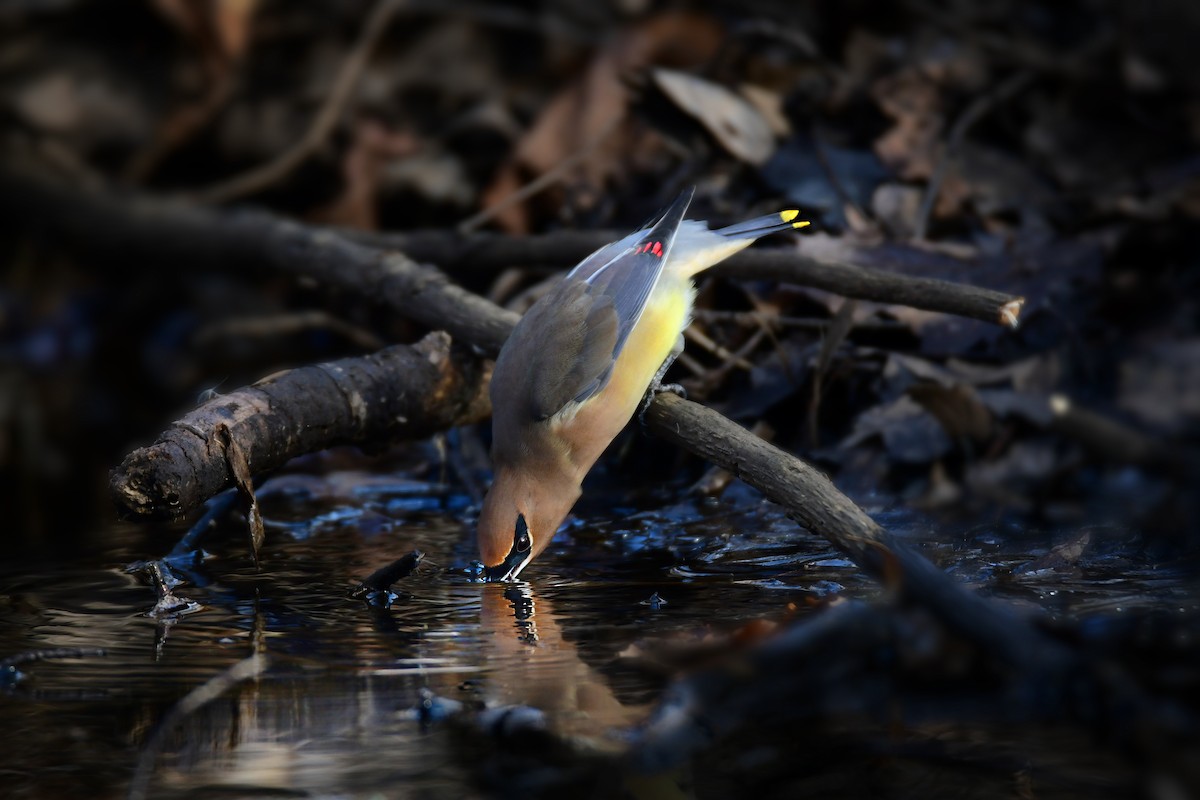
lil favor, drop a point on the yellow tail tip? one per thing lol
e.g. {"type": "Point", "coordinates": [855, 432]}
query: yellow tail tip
{"type": "Point", "coordinates": [791, 214]}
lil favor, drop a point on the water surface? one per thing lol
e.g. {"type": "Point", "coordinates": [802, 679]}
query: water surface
{"type": "Point", "coordinates": [333, 714]}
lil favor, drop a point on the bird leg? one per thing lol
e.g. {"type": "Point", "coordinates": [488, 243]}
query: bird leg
{"type": "Point", "coordinates": [656, 384]}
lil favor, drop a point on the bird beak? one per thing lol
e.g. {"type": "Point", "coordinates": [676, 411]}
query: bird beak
{"type": "Point", "coordinates": [508, 569]}
{"type": "Point", "coordinates": [516, 560]}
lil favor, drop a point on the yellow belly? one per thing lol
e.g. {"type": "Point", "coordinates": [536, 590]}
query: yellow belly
{"type": "Point", "coordinates": [602, 417]}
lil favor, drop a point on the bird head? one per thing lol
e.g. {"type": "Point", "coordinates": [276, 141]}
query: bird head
{"type": "Point", "coordinates": [519, 518]}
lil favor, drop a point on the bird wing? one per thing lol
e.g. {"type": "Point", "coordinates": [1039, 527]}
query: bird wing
{"type": "Point", "coordinates": [574, 350]}
{"type": "Point", "coordinates": [627, 272]}
{"type": "Point", "coordinates": [564, 349]}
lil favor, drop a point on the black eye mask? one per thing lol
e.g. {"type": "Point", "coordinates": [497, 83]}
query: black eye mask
{"type": "Point", "coordinates": [518, 556]}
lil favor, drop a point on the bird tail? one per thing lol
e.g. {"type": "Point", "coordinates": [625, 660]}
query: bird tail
{"type": "Point", "coordinates": [761, 226]}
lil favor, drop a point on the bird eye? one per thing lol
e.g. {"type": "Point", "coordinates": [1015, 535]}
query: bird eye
{"type": "Point", "coordinates": [522, 541]}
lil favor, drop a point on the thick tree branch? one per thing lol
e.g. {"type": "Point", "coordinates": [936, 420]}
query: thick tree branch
{"type": "Point", "coordinates": [142, 231]}
{"type": "Point", "coordinates": [396, 393]}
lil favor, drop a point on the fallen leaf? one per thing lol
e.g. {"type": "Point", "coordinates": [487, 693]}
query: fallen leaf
{"type": "Point", "coordinates": [912, 145]}
{"type": "Point", "coordinates": [729, 117]}
{"type": "Point", "coordinates": [239, 470]}
{"type": "Point", "coordinates": [958, 408]}
{"type": "Point", "coordinates": [769, 103]}
{"type": "Point", "coordinates": [570, 122]}
{"type": "Point", "coordinates": [909, 433]}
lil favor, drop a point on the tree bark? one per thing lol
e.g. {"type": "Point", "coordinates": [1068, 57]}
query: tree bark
{"type": "Point", "coordinates": [398, 392]}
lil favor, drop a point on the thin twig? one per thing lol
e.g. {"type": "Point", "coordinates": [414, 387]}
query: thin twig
{"type": "Point", "coordinates": [323, 123]}
{"type": "Point", "coordinates": [709, 379]}
{"type": "Point", "coordinates": [975, 112]}
{"type": "Point", "coordinates": [693, 334]}
{"type": "Point", "coordinates": [834, 179]}
{"type": "Point", "coordinates": [756, 319]}
{"type": "Point", "coordinates": [837, 332]}
{"type": "Point", "coordinates": [285, 324]}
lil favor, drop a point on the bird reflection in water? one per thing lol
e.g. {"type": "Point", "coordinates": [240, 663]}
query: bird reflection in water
{"type": "Point", "coordinates": [530, 663]}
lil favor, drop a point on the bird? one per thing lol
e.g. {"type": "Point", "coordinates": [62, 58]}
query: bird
{"type": "Point", "coordinates": [578, 365]}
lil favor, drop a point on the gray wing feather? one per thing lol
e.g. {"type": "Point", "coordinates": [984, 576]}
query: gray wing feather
{"type": "Point", "coordinates": [558, 352]}
{"type": "Point", "coordinates": [564, 348]}
{"type": "Point", "coordinates": [576, 349]}
{"type": "Point", "coordinates": [630, 277]}
{"type": "Point", "coordinates": [600, 259]}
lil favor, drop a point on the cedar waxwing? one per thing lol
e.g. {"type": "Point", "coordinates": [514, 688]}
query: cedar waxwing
{"type": "Point", "coordinates": [578, 365]}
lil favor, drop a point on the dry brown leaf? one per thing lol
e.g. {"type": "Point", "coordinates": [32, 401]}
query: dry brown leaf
{"type": "Point", "coordinates": [220, 31]}
{"type": "Point", "coordinates": [239, 470]}
{"type": "Point", "coordinates": [769, 103]}
{"type": "Point", "coordinates": [220, 28]}
{"type": "Point", "coordinates": [911, 147]}
{"type": "Point", "coordinates": [729, 117]}
{"type": "Point", "coordinates": [571, 119]}
{"type": "Point", "coordinates": [958, 408]}
{"type": "Point", "coordinates": [909, 433]}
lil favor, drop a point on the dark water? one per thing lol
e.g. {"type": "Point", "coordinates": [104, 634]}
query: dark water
{"type": "Point", "coordinates": [332, 713]}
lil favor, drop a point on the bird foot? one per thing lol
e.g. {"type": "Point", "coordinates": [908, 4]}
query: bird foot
{"type": "Point", "coordinates": [656, 388]}
{"type": "Point", "coordinates": [673, 388]}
